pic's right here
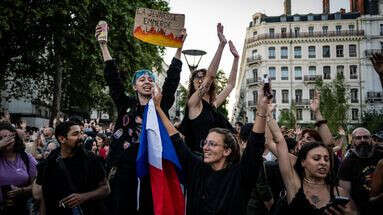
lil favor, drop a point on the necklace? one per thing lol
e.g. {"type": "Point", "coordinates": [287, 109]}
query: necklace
{"type": "Point", "coordinates": [308, 181]}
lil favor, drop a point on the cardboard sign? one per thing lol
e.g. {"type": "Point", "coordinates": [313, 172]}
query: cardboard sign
{"type": "Point", "coordinates": [158, 27]}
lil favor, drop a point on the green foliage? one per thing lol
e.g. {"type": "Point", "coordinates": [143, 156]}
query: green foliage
{"type": "Point", "coordinates": [373, 120]}
{"type": "Point", "coordinates": [287, 118]}
{"type": "Point", "coordinates": [220, 83]}
{"type": "Point", "coordinates": [334, 104]}
{"type": "Point", "coordinates": [37, 37]}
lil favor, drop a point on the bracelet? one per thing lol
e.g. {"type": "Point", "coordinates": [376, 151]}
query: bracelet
{"type": "Point", "coordinates": [320, 122]}
{"type": "Point", "coordinates": [260, 115]}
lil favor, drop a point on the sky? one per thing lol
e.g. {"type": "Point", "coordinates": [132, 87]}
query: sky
{"type": "Point", "coordinates": [202, 16]}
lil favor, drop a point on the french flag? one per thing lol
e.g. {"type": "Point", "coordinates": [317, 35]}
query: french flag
{"type": "Point", "coordinates": [157, 157]}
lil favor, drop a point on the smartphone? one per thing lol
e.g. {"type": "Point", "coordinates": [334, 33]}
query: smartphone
{"type": "Point", "coordinates": [340, 200]}
{"type": "Point", "coordinates": [266, 87]}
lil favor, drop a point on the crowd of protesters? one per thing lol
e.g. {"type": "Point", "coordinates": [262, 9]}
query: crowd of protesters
{"type": "Point", "coordinates": [86, 167]}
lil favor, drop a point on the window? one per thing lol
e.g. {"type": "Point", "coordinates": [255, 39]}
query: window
{"type": "Point", "coordinates": [274, 92]}
{"type": "Point", "coordinates": [299, 114]}
{"type": "Point", "coordinates": [285, 73]}
{"type": "Point", "coordinates": [311, 51]}
{"type": "Point", "coordinates": [298, 96]}
{"type": "Point", "coordinates": [355, 114]}
{"type": "Point", "coordinates": [271, 32]}
{"type": "Point", "coordinates": [255, 96]}
{"type": "Point", "coordinates": [271, 52]}
{"type": "Point", "coordinates": [354, 95]}
{"type": "Point", "coordinates": [298, 73]}
{"type": "Point", "coordinates": [296, 31]}
{"type": "Point", "coordinates": [312, 70]}
{"type": "Point", "coordinates": [283, 32]}
{"type": "Point", "coordinates": [338, 29]}
{"type": "Point", "coordinates": [311, 31]}
{"type": "Point", "coordinates": [381, 29]}
{"type": "Point", "coordinates": [325, 30]}
{"type": "Point", "coordinates": [254, 53]}
{"type": "Point", "coordinates": [327, 72]}
{"type": "Point", "coordinates": [338, 16]}
{"type": "Point", "coordinates": [310, 18]}
{"type": "Point", "coordinates": [284, 53]}
{"type": "Point", "coordinates": [297, 52]}
{"type": "Point", "coordinates": [324, 17]}
{"type": "Point", "coordinates": [255, 33]}
{"type": "Point", "coordinates": [312, 115]}
{"type": "Point", "coordinates": [353, 72]}
{"type": "Point", "coordinates": [351, 27]}
{"type": "Point", "coordinates": [311, 94]}
{"type": "Point", "coordinates": [326, 51]}
{"type": "Point", "coordinates": [352, 50]}
{"type": "Point", "coordinates": [285, 96]}
{"type": "Point", "coordinates": [283, 18]}
{"type": "Point", "coordinates": [297, 18]}
{"type": "Point", "coordinates": [339, 51]}
{"type": "Point", "coordinates": [272, 73]}
{"type": "Point", "coordinates": [340, 71]}
{"type": "Point", "coordinates": [255, 74]}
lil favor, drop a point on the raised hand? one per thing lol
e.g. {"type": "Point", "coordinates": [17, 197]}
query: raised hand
{"type": "Point", "coordinates": [233, 50]}
{"type": "Point", "coordinates": [341, 131]}
{"type": "Point", "coordinates": [377, 61]}
{"type": "Point", "coordinates": [263, 101]}
{"type": "Point", "coordinates": [183, 34]}
{"type": "Point", "coordinates": [97, 33]}
{"type": "Point", "coordinates": [222, 38]}
{"type": "Point", "coordinates": [5, 141]}
{"type": "Point", "coordinates": [157, 96]}
{"type": "Point", "coordinates": [314, 104]}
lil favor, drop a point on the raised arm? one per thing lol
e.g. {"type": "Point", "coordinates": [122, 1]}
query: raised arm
{"type": "Point", "coordinates": [172, 79]}
{"type": "Point", "coordinates": [232, 79]}
{"type": "Point", "coordinates": [289, 176]}
{"type": "Point", "coordinates": [195, 99]}
{"type": "Point", "coordinates": [377, 62]}
{"type": "Point", "coordinates": [323, 130]}
{"type": "Point", "coordinates": [111, 74]}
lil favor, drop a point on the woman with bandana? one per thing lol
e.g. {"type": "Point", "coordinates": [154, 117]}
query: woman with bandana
{"type": "Point", "coordinates": [125, 138]}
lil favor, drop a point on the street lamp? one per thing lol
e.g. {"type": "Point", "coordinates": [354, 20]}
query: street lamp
{"type": "Point", "coordinates": [196, 55]}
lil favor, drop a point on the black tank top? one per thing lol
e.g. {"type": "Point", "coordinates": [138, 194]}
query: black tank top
{"type": "Point", "coordinates": [301, 205]}
{"type": "Point", "coordinates": [197, 129]}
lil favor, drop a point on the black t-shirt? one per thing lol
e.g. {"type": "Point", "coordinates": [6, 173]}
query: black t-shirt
{"type": "Point", "coordinates": [86, 174]}
{"type": "Point", "coordinates": [359, 172]}
{"type": "Point", "coordinates": [226, 191]}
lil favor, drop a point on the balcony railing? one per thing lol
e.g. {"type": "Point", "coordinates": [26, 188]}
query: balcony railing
{"type": "Point", "coordinates": [370, 52]}
{"type": "Point", "coordinates": [301, 102]}
{"type": "Point", "coordinates": [374, 97]}
{"type": "Point", "coordinates": [312, 78]}
{"type": "Point", "coordinates": [306, 34]}
{"type": "Point", "coordinates": [251, 103]}
{"type": "Point", "coordinates": [254, 59]}
{"type": "Point", "coordinates": [253, 81]}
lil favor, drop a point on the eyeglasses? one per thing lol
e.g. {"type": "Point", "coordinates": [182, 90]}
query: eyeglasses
{"type": "Point", "coordinates": [209, 143]}
{"type": "Point", "coordinates": [366, 137]}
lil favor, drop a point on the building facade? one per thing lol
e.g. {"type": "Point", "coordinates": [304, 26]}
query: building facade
{"type": "Point", "coordinates": [295, 51]}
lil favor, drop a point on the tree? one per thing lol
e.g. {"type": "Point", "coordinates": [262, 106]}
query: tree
{"type": "Point", "coordinates": [373, 120]}
{"type": "Point", "coordinates": [220, 83]}
{"type": "Point", "coordinates": [334, 104]}
{"type": "Point", "coordinates": [287, 118]}
{"type": "Point", "coordinates": [45, 43]}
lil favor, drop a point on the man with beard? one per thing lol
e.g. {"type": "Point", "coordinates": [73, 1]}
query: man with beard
{"type": "Point", "coordinates": [72, 180]}
{"type": "Point", "coordinates": [357, 169]}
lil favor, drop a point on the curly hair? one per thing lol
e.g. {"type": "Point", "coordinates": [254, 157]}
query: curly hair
{"type": "Point", "coordinates": [302, 155]}
{"type": "Point", "coordinates": [191, 90]}
{"type": "Point", "coordinates": [19, 145]}
{"type": "Point", "coordinates": [230, 142]}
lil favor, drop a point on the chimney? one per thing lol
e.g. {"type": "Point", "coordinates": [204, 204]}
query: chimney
{"type": "Point", "coordinates": [287, 7]}
{"type": "Point", "coordinates": [353, 6]}
{"type": "Point", "coordinates": [360, 5]}
{"type": "Point", "coordinates": [326, 6]}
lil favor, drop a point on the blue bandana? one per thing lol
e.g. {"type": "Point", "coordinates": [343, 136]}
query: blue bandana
{"type": "Point", "coordinates": [142, 72]}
